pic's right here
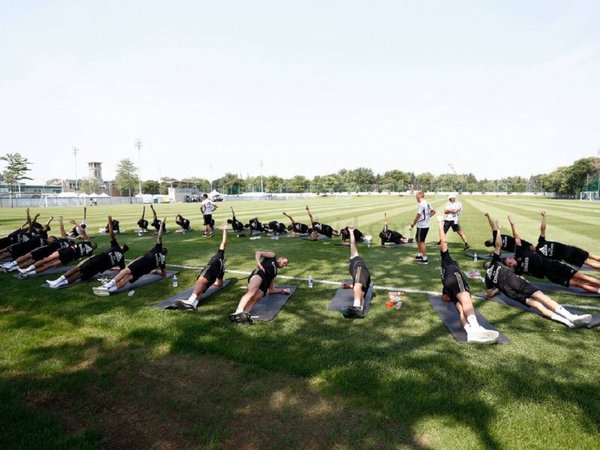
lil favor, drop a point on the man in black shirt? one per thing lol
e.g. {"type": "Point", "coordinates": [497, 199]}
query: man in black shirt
{"type": "Point", "coordinates": [320, 228]}
{"type": "Point", "coordinates": [499, 277]}
{"type": "Point", "coordinates": [538, 265]}
{"type": "Point", "coordinates": [182, 222]}
{"type": "Point", "coordinates": [260, 283]}
{"type": "Point", "coordinates": [391, 236]}
{"type": "Point", "coordinates": [235, 224]}
{"type": "Point", "coordinates": [345, 234]}
{"type": "Point", "coordinates": [507, 241]}
{"type": "Point", "coordinates": [296, 227]}
{"type": "Point", "coordinates": [112, 258]}
{"type": "Point", "coordinates": [456, 290]}
{"type": "Point", "coordinates": [152, 262]}
{"type": "Point", "coordinates": [143, 223]}
{"type": "Point", "coordinates": [212, 274]}
{"type": "Point", "coordinates": [361, 280]}
{"type": "Point", "coordinates": [156, 223]}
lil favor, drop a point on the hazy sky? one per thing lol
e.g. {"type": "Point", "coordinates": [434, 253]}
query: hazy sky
{"type": "Point", "coordinates": [496, 88]}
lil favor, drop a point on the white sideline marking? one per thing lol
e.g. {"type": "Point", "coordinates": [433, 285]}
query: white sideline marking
{"type": "Point", "coordinates": [335, 283]}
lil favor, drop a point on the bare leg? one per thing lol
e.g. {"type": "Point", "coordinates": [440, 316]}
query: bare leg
{"type": "Point", "coordinates": [253, 295]}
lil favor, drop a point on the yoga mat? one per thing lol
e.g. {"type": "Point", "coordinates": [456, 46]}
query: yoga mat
{"type": "Point", "coordinates": [344, 298]}
{"type": "Point", "coordinates": [394, 245]}
{"type": "Point", "coordinates": [551, 287]}
{"type": "Point", "coordinates": [449, 315]}
{"type": "Point", "coordinates": [503, 299]}
{"type": "Point", "coordinates": [170, 302]}
{"type": "Point", "coordinates": [106, 273]}
{"type": "Point", "coordinates": [297, 235]}
{"type": "Point", "coordinates": [267, 307]}
{"type": "Point", "coordinates": [480, 256]}
{"type": "Point", "coordinates": [320, 237]}
{"type": "Point", "coordinates": [53, 271]}
{"type": "Point", "coordinates": [142, 281]}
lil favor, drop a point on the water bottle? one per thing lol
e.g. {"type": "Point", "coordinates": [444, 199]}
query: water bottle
{"type": "Point", "coordinates": [175, 282]}
{"type": "Point", "coordinates": [311, 282]}
{"type": "Point", "coordinates": [475, 257]}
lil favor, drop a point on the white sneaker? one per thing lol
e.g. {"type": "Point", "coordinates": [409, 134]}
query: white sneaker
{"type": "Point", "coordinates": [52, 283]}
{"type": "Point", "coordinates": [185, 305]}
{"type": "Point", "coordinates": [582, 320]}
{"type": "Point", "coordinates": [482, 336]}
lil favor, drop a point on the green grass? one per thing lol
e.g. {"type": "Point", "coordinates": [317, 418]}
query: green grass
{"type": "Point", "coordinates": [78, 371]}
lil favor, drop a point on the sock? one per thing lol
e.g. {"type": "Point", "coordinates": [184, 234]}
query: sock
{"type": "Point", "coordinates": [60, 282]}
{"type": "Point", "coordinates": [113, 288]}
{"type": "Point", "coordinates": [561, 319]}
{"type": "Point", "coordinates": [239, 310]}
{"type": "Point", "coordinates": [467, 328]}
{"type": "Point", "coordinates": [110, 284]}
{"type": "Point", "coordinates": [31, 268]}
{"type": "Point", "coordinates": [357, 302]}
{"type": "Point", "coordinates": [192, 298]}
{"type": "Point", "coordinates": [61, 278]}
{"type": "Point", "coordinates": [473, 321]}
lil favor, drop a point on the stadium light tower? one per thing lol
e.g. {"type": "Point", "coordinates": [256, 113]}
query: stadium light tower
{"type": "Point", "coordinates": [75, 151]}
{"type": "Point", "coordinates": [138, 144]}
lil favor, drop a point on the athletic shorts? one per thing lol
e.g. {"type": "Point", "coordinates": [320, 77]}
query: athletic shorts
{"type": "Point", "coordinates": [518, 289]}
{"type": "Point", "coordinates": [265, 280]}
{"type": "Point", "coordinates": [215, 269]}
{"type": "Point", "coordinates": [94, 265]}
{"type": "Point", "coordinates": [454, 284]}
{"type": "Point", "coordinates": [42, 252]}
{"type": "Point", "coordinates": [66, 255]}
{"type": "Point", "coordinates": [421, 234]}
{"type": "Point", "coordinates": [141, 267]}
{"type": "Point", "coordinates": [207, 219]}
{"type": "Point", "coordinates": [576, 256]}
{"type": "Point", "coordinates": [560, 273]}
{"type": "Point", "coordinates": [451, 224]}
{"type": "Point", "coordinates": [360, 273]}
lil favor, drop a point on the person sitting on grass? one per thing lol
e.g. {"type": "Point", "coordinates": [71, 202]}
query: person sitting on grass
{"type": "Point", "coordinates": [563, 252]}
{"type": "Point", "coordinates": [320, 228]}
{"type": "Point", "coordinates": [112, 258]}
{"type": "Point", "coordinates": [456, 290]}
{"type": "Point", "coordinates": [361, 280]}
{"type": "Point", "coordinates": [143, 223]}
{"type": "Point", "coordinates": [183, 223]}
{"type": "Point", "coordinates": [212, 275]}
{"type": "Point", "coordinates": [532, 263]}
{"type": "Point", "coordinates": [507, 241]}
{"type": "Point", "coordinates": [156, 223]}
{"type": "Point", "coordinates": [62, 256]}
{"type": "Point", "coordinates": [499, 277]}
{"type": "Point", "coordinates": [296, 227]}
{"type": "Point", "coordinates": [235, 224]}
{"type": "Point", "coordinates": [391, 236]}
{"type": "Point", "coordinates": [260, 283]}
{"type": "Point", "coordinates": [53, 244]}
{"type": "Point", "coordinates": [154, 261]}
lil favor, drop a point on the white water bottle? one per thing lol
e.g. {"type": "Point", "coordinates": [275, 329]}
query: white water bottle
{"type": "Point", "coordinates": [311, 282]}
{"type": "Point", "coordinates": [475, 257]}
{"type": "Point", "coordinates": [175, 282]}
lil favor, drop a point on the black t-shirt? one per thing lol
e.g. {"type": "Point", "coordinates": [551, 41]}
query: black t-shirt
{"type": "Point", "coordinates": [116, 255]}
{"type": "Point", "coordinates": [300, 227]}
{"type": "Point", "coordinates": [158, 257]}
{"type": "Point", "coordinates": [531, 263]}
{"type": "Point", "coordinates": [82, 249]}
{"type": "Point", "coordinates": [550, 249]}
{"type": "Point", "coordinates": [497, 275]}
{"type": "Point", "coordinates": [358, 235]}
{"type": "Point", "coordinates": [509, 243]}
{"type": "Point", "coordinates": [183, 223]}
{"type": "Point", "coordinates": [270, 269]}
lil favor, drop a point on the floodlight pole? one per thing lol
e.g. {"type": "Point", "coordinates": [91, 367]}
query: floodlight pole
{"type": "Point", "coordinates": [138, 144]}
{"type": "Point", "coordinates": [262, 189]}
{"type": "Point", "coordinates": [75, 151]}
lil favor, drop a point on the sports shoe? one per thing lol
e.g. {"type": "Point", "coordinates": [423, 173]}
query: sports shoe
{"type": "Point", "coordinates": [242, 318]}
{"type": "Point", "coordinates": [353, 312]}
{"type": "Point", "coordinates": [422, 261]}
{"type": "Point", "coordinates": [582, 320]}
{"type": "Point", "coordinates": [418, 257]}
{"type": "Point", "coordinates": [482, 336]}
{"type": "Point", "coordinates": [466, 247]}
{"type": "Point", "coordinates": [184, 305]}
{"type": "Point", "coordinates": [438, 242]}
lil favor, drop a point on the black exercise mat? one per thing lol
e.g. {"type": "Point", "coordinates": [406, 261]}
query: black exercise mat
{"type": "Point", "coordinates": [267, 307]}
{"type": "Point", "coordinates": [106, 273]}
{"type": "Point", "coordinates": [142, 281]}
{"type": "Point", "coordinates": [449, 315]}
{"type": "Point", "coordinates": [344, 298]}
{"type": "Point", "coordinates": [170, 302]}
{"type": "Point", "coordinates": [297, 235]}
{"type": "Point", "coordinates": [503, 299]}
{"type": "Point", "coordinates": [53, 271]}
{"type": "Point", "coordinates": [480, 256]}
{"type": "Point", "coordinates": [551, 287]}
{"type": "Point", "coordinates": [320, 237]}
{"type": "Point", "coordinates": [395, 245]}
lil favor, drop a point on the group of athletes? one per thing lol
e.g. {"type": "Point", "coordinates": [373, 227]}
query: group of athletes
{"type": "Point", "coordinates": [32, 251]}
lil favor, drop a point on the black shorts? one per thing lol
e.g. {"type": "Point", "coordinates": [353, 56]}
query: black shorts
{"type": "Point", "coordinates": [215, 270]}
{"type": "Point", "coordinates": [94, 265]}
{"type": "Point", "coordinates": [42, 252]}
{"type": "Point", "coordinates": [265, 280]}
{"type": "Point", "coordinates": [360, 273]}
{"type": "Point", "coordinates": [141, 267]}
{"type": "Point", "coordinates": [421, 234]}
{"type": "Point", "coordinates": [66, 255]}
{"type": "Point", "coordinates": [454, 284]}
{"type": "Point", "coordinates": [207, 219]}
{"type": "Point", "coordinates": [451, 224]}
{"type": "Point", "coordinates": [518, 289]}
{"type": "Point", "coordinates": [576, 256]}
{"type": "Point", "coordinates": [560, 273]}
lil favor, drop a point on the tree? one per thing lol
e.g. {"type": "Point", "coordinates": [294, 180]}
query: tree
{"type": "Point", "coordinates": [90, 185]}
{"type": "Point", "coordinates": [16, 168]}
{"type": "Point", "coordinates": [151, 187]}
{"type": "Point", "coordinates": [298, 184]}
{"type": "Point", "coordinates": [126, 178]}
{"type": "Point", "coordinates": [229, 183]}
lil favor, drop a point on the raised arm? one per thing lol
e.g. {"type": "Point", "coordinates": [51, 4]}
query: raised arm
{"type": "Point", "coordinates": [490, 221]}
{"type": "Point", "coordinates": [143, 212]}
{"type": "Point", "coordinates": [515, 232]}
{"type": "Point", "coordinates": [84, 215]}
{"type": "Point", "coordinates": [47, 224]}
{"type": "Point", "coordinates": [224, 238]}
{"type": "Point", "coordinates": [61, 224]}
{"type": "Point", "coordinates": [443, 242]}
{"type": "Point", "coordinates": [160, 230]}
{"type": "Point", "coordinates": [385, 222]}
{"type": "Point", "coordinates": [543, 225]}
{"type": "Point", "coordinates": [289, 217]}
{"type": "Point", "coordinates": [232, 211]}
{"type": "Point", "coordinates": [83, 232]}
{"type": "Point", "coordinates": [153, 211]}
{"type": "Point", "coordinates": [310, 215]}
{"type": "Point", "coordinates": [353, 249]}
{"type": "Point", "coordinates": [497, 238]}
{"type": "Point", "coordinates": [111, 232]}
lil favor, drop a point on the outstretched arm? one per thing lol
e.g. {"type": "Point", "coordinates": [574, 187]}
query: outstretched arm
{"type": "Point", "coordinates": [84, 215]}
{"type": "Point", "coordinates": [63, 233]}
{"type": "Point", "coordinates": [153, 211]}
{"type": "Point", "coordinates": [515, 232]}
{"type": "Point", "coordinates": [312, 220]}
{"type": "Point", "coordinates": [232, 211]}
{"type": "Point", "coordinates": [443, 243]}
{"type": "Point", "coordinates": [543, 225]}
{"type": "Point", "coordinates": [224, 239]}
{"type": "Point", "coordinates": [111, 232]}
{"type": "Point", "coordinates": [83, 232]}
{"type": "Point", "coordinates": [160, 230]}
{"type": "Point", "coordinates": [143, 212]}
{"type": "Point", "coordinates": [289, 217]}
{"type": "Point", "coordinates": [353, 249]}
{"type": "Point", "coordinates": [490, 221]}
{"type": "Point", "coordinates": [497, 239]}
{"type": "Point", "coordinates": [385, 222]}
{"type": "Point", "coordinates": [47, 224]}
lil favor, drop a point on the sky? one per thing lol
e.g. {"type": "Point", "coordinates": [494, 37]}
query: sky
{"type": "Point", "coordinates": [271, 87]}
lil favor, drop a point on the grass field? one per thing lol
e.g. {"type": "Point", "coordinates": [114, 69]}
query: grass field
{"type": "Point", "coordinates": [78, 371]}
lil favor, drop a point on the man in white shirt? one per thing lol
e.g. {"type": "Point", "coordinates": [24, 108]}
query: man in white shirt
{"type": "Point", "coordinates": [207, 207]}
{"type": "Point", "coordinates": [421, 220]}
{"type": "Point", "coordinates": [453, 209]}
